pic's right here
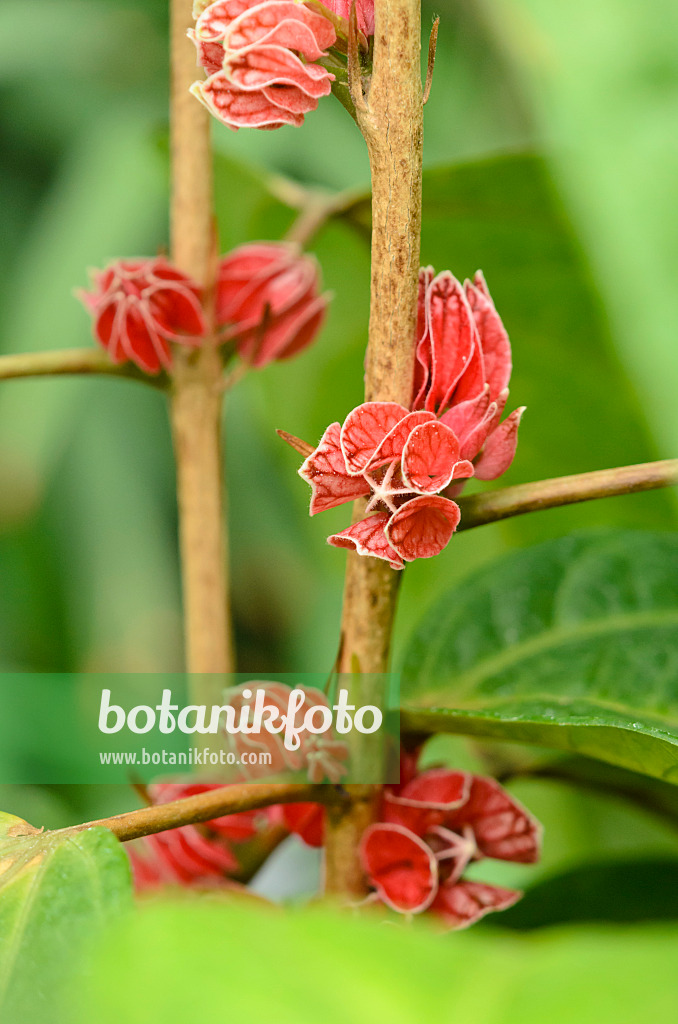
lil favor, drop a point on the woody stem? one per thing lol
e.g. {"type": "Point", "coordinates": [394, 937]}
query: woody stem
{"type": "Point", "coordinates": [196, 394]}
{"type": "Point", "coordinates": [191, 810]}
{"type": "Point", "coordinates": [392, 123]}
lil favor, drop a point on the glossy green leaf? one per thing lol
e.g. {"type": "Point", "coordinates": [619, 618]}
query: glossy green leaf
{"type": "Point", "coordinates": [56, 892]}
{"type": "Point", "coordinates": [572, 644]}
{"type": "Point", "coordinates": [174, 963]}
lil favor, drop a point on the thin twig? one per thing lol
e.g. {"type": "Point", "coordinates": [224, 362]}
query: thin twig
{"type": "Point", "coordinates": [63, 362]}
{"type": "Point", "coordinates": [492, 506]}
{"type": "Point", "coordinates": [432, 44]}
{"type": "Point", "coordinates": [316, 209]}
{"type": "Point", "coordinates": [203, 807]}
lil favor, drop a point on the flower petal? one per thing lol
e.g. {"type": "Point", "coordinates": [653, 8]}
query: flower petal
{"type": "Point", "coordinates": [503, 828]}
{"type": "Point", "coordinates": [364, 12]}
{"type": "Point", "coordinates": [422, 527]}
{"type": "Point", "coordinates": [325, 471]}
{"type": "Point", "coordinates": [365, 428]}
{"type": "Point", "coordinates": [464, 903]}
{"type": "Point", "coordinates": [306, 821]}
{"type": "Point", "coordinates": [368, 537]}
{"type": "Point", "coordinates": [494, 340]}
{"type": "Point", "coordinates": [392, 446]}
{"type": "Point", "coordinates": [453, 337]}
{"type": "Point", "coordinates": [427, 799]}
{"type": "Point", "coordinates": [500, 448]}
{"type": "Point", "coordinates": [259, 66]}
{"type": "Point", "coordinates": [142, 343]}
{"type": "Point", "coordinates": [238, 109]}
{"type": "Point", "coordinates": [176, 312]}
{"type": "Point", "coordinates": [282, 23]}
{"type": "Point", "coordinates": [400, 866]}
{"type": "Point", "coordinates": [429, 457]}
{"type": "Point", "coordinates": [422, 366]}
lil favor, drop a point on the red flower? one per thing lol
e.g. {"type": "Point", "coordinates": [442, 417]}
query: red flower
{"type": "Point", "coordinates": [463, 367]}
{"type": "Point", "coordinates": [319, 754]}
{"type": "Point", "coordinates": [402, 459]}
{"type": "Point", "coordinates": [259, 58]}
{"type": "Point", "coordinates": [268, 301]}
{"type": "Point", "coordinates": [432, 827]}
{"type": "Point", "coordinates": [192, 854]}
{"type": "Point", "coordinates": [306, 821]}
{"type": "Point", "coordinates": [139, 307]}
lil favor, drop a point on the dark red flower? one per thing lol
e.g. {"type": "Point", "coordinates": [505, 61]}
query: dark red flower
{"type": "Point", "coordinates": [192, 854]}
{"type": "Point", "coordinates": [139, 307]}
{"type": "Point", "coordinates": [306, 821]}
{"type": "Point", "coordinates": [268, 300]}
{"type": "Point", "coordinates": [432, 828]}
{"type": "Point", "coordinates": [400, 459]}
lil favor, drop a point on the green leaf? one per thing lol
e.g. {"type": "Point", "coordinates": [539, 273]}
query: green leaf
{"type": "Point", "coordinates": [572, 644]}
{"type": "Point", "coordinates": [202, 962]}
{"type": "Point", "coordinates": [645, 889]}
{"type": "Point", "coordinates": [56, 892]}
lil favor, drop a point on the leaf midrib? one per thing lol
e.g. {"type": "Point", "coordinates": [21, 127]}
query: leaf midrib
{"type": "Point", "coordinates": [546, 640]}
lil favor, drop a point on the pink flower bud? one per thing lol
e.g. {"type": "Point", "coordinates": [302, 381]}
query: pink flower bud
{"type": "Point", "coordinates": [268, 301]}
{"type": "Point", "coordinates": [463, 368]}
{"type": "Point", "coordinates": [139, 307]}
{"type": "Point", "coordinates": [259, 58]}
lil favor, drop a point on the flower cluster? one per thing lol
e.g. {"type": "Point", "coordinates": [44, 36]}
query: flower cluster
{"type": "Point", "coordinates": [320, 755]}
{"type": "Point", "coordinates": [268, 301]}
{"type": "Point", "coordinates": [194, 855]}
{"type": "Point", "coordinates": [260, 60]}
{"type": "Point", "coordinates": [431, 828]}
{"type": "Point", "coordinates": [139, 307]}
{"type": "Point", "coordinates": [268, 305]}
{"type": "Point", "coordinates": [400, 458]}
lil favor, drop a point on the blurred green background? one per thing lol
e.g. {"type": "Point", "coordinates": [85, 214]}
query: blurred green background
{"type": "Point", "coordinates": [552, 162]}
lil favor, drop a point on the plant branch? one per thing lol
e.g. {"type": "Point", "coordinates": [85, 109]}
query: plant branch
{"type": "Point", "coordinates": [203, 807]}
{"type": "Point", "coordinates": [392, 123]}
{"type": "Point", "coordinates": [62, 362]}
{"type": "Point", "coordinates": [492, 506]}
{"type": "Point", "coordinates": [197, 391]}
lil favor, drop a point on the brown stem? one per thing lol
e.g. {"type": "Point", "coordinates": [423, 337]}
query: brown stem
{"type": "Point", "coordinates": [491, 506]}
{"type": "Point", "coordinates": [392, 123]}
{"type": "Point", "coordinates": [197, 393]}
{"type": "Point", "coordinates": [71, 361]}
{"type": "Point", "coordinates": [203, 807]}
